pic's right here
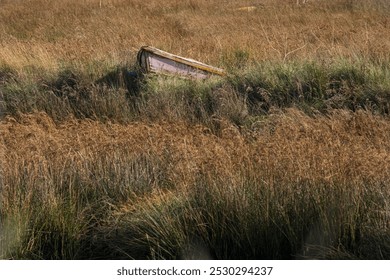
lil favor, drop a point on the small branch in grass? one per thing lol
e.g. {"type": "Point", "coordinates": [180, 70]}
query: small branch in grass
{"type": "Point", "coordinates": [268, 40]}
{"type": "Point", "coordinates": [286, 54]}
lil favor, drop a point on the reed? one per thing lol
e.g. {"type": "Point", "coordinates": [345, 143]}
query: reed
{"type": "Point", "coordinates": [307, 187]}
{"type": "Point", "coordinates": [47, 34]}
{"type": "Point", "coordinates": [287, 157]}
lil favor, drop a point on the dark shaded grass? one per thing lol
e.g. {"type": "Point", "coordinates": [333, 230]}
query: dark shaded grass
{"type": "Point", "coordinates": [279, 228]}
{"type": "Point", "coordinates": [120, 216]}
{"type": "Point", "coordinates": [252, 222]}
{"type": "Point", "coordinates": [312, 87]}
{"type": "Point", "coordinates": [121, 97]}
{"type": "Point", "coordinates": [52, 212]}
{"type": "Point", "coordinates": [67, 95]}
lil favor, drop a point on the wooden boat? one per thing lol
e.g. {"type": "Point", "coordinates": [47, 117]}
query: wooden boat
{"type": "Point", "coordinates": [153, 60]}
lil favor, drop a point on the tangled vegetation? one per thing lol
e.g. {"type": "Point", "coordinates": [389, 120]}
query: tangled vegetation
{"type": "Point", "coordinates": [287, 157]}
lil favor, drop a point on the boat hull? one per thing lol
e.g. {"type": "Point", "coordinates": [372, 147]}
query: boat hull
{"type": "Point", "coordinates": [153, 60]}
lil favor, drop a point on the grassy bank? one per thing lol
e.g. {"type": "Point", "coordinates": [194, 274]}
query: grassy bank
{"type": "Point", "coordinates": [242, 96]}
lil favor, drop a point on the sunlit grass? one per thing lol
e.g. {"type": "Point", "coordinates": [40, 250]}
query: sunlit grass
{"type": "Point", "coordinates": [287, 157]}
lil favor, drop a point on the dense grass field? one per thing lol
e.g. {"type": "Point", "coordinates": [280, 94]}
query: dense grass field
{"type": "Point", "coordinates": [286, 157]}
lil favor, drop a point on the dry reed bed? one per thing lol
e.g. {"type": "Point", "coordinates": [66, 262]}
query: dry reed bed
{"type": "Point", "coordinates": [84, 181]}
{"type": "Point", "coordinates": [44, 35]}
{"type": "Point", "coordinates": [285, 186]}
{"type": "Point", "coordinates": [344, 146]}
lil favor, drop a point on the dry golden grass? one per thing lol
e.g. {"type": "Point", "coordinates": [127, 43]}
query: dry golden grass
{"type": "Point", "coordinates": [341, 148]}
{"type": "Point", "coordinates": [79, 188]}
{"type": "Point", "coordinates": [108, 171]}
{"type": "Point", "coordinates": [48, 34]}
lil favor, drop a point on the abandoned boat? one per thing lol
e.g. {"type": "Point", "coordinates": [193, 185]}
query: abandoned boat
{"type": "Point", "coordinates": [153, 60]}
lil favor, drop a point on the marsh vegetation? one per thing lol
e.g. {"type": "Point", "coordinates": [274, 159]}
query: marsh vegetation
{"type": "Point", "coordinates": [287, 157]}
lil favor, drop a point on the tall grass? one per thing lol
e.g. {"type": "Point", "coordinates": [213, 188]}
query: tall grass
{"type": "Point", "coordinates": [48, 34]}
{"type": "Point", "coordinates": [292, 187]}
{"type": "Point", "coordinates": [287, 157]}
{"type": "Point", "coordinates": [241, 97]}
